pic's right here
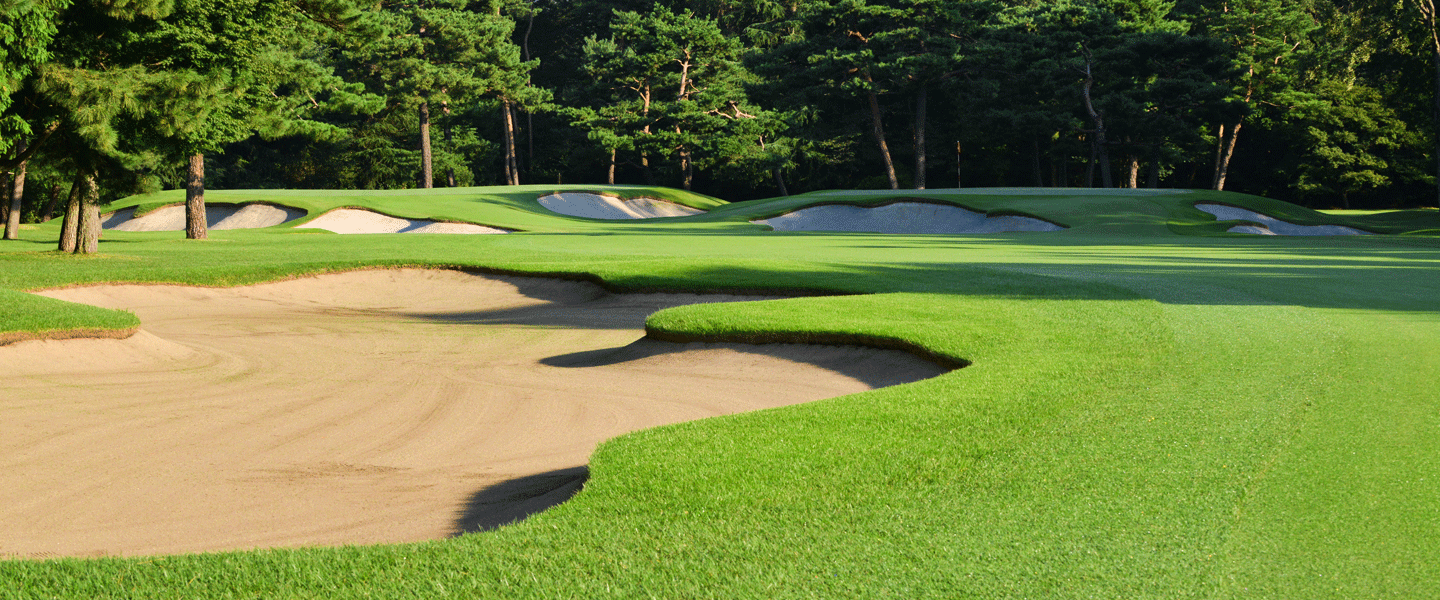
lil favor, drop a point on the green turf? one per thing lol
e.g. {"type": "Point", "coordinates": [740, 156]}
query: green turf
{"type": "Point", "coordinates": [1152, 409]}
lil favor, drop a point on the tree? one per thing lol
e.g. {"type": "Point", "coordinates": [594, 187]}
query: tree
{"type": "Point", "coordinates": [672, 85]}
{"type": "Point", "coordinates": [1266, 37]}
{"type": "Point", "coordinates": [444, 53]}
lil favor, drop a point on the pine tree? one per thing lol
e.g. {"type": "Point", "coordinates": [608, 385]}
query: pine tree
{"type": "Point", "coordinates": [672, 85]}
{"type": "Point", "coordinates": [441, 53]}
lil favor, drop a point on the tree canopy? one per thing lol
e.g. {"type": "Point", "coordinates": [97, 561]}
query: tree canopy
{"type": "Point", "coordinates": [1320, 102]}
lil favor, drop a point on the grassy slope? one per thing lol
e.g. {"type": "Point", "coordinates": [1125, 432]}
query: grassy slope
{"type": "Point", "coordinates": [1146, 415]}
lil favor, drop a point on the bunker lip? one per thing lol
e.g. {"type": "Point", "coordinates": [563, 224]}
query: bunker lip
{"type": "Point", "coordinates": [218, 216]}
{"type": "Point", "coordinates": [613, 208]}
{"type": "Point", "coordinates": [950, 218]}
{"type": "Point", "coordinates": [1256, 223]}
{"type": "Point", "coordinates": [357, 408]}
{"type": "Point", "coordinates": [352, 220]}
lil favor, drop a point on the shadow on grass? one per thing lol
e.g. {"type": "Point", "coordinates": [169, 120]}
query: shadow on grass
{"type": "Point", "coordinates": [872, 366]}
{"type": "Point", "coordinates": [517, 499]}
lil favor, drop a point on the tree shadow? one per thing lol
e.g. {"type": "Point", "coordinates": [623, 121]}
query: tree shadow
{"type": "Point", "coordinates": [517, 499]}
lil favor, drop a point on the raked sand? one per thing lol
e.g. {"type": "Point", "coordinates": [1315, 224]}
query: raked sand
{"type": "Point", "coordinates": [355, 408]}
{"type": "Point", "coordinates": [595, 206]}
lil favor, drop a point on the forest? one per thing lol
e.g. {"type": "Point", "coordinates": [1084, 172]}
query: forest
{"type": "Point", "coordinates": [1325, 103]}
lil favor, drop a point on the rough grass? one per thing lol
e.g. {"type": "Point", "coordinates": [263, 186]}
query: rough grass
{"type": "Point", "coordinates": [1145, 415]}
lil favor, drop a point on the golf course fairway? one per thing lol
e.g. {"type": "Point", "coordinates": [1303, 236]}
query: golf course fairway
{"type": "Point", "coordinates": [1149, 407]}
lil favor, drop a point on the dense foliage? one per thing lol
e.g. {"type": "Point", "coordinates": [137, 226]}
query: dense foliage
{"type": "Point", "coordinates": [1327, 103]}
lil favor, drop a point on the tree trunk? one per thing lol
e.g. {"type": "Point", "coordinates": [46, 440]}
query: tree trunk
{"type": "Point", "coordinates": [610, 174]}
{"type": "Point", "coordinates": [1090, 166]}
{"type": "Point", "coordinates": [17, 196]}
{"type": "Point", "coordinates": [959, 170]}
{"type": "Point", "coordinates": [49, 211]}
{"type": "Point", "coordinates": [70, 227]}
{"type": "Point", "coordinates": [195, 226]}
{"type": "Point", "coordinates": [1098, 147]}
{"type": "Point", "coordinates": [879, 131]}
{"type": "Point", "coordinates": [920, 108]}
{"type": "Point", "coordinates": [512, 166]}
{"type": "Point", "coordinates": [449, 144]}
{"type": "Point", "coordinates": [687, 169]}
{"type": "Point", "coordinates": [1133, 161]}
{"type": "Point", "coordinates": [1222, 166]}
{"type": "Point", "coordinates": [427, 173]}
{"type": "Point", "coordinates": [780, 180]}
{"type": "Point", "coordinates": [87, 233]}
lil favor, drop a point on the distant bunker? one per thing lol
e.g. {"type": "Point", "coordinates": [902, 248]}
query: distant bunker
{"type": "Point", "coordinates": [217, 216]}
{"type": "Point", "coordinates": [354, 220]}
{"type": "Point", "coordinates": [1268, 225]}
{"type": "Point", "coordinates": [902, 218]}
{"type": "Point", "coordinates": [595, 206]}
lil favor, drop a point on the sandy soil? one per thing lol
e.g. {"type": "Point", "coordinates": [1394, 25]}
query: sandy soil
{"type": "Point", "coordinates": [368, 407]}
{"type": "Point", "coordinates": [901, 217]}
{"type": "Point", "coordinates": [1271, 225]}
{"type": "Point", "coordinates": [594, 206]}
{"type": "Point", "coordinates": [353, 220]}
{"type": "Point", "coordinates": [217, 216]}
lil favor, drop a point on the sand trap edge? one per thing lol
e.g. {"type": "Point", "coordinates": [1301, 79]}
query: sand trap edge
{"type": "Point", "coordinates": [304, 223]}
{"type": "Point", "coordinates": [88, 333]}
{"type": "Point", "coordinates": [817, 338]}
{"type": "Point", "coordinates": [1244, 223]}
{"type": "Point", "coordinates": [999, 212]}
{"type": "Point", "coordinates": [134, 214]}
{"type": "Point", "coordinates": [621, 200]}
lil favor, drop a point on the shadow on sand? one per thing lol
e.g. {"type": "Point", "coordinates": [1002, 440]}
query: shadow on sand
{"type": "Point", "coordinates": [516, 499]}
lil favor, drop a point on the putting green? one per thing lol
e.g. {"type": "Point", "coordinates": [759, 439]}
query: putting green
{"type": "Point", "coordinates": [1153, 407]}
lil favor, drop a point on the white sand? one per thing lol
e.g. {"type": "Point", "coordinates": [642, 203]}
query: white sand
{"type": "Point", "coordinates": [352, 220]}
{"type": "Point", "coordinates": [217, 216]}
{"type": "Point", "coordinates": [1269, 225]}
{"type": "Point", "coordinates": [594, 206]}
{"type": "Point", "coordinates": [355, 408]}
{"type": "Point", "coordinates": [901, 217]}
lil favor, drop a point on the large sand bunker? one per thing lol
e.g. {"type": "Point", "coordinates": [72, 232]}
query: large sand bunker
{"type": "Point", "coordinates": [357, 408]}
{"type": "Point", "coordinates": [595, 206]}
{"type": "Point", "coordinates": [902, 217]}
{"type": "Point", "coordinates": [217, 216]}
{"type": "Point", "coordinates": [354, 220]}
{"type": "Point", "coordinates": [1269, 225]}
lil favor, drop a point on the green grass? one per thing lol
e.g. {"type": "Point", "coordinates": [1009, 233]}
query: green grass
{"type": "Point", "coordinates": [1152, 409]}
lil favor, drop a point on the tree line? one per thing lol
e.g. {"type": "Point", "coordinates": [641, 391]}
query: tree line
{"type": "Point", "coordinates": [1321, 102]}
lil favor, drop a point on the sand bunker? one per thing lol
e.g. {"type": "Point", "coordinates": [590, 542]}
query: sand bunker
{"type": "Point", "coordinates": [1270, 225]}
{"type": "Point", "coordinates": [358, 408]}
{"type": "Point", "coordinates": [352, 220]}
{"type": "Point", "coordinates": [594, 206]}
{"type": "Point", "coordinates": [217, 216]}
{"type": "Point", "coordinates": [901, 217]}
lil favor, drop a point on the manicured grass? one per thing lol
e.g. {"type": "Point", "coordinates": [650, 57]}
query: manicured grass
{"type": "Point", "coordinates": [1145, 414]}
